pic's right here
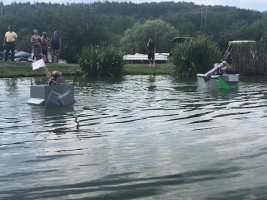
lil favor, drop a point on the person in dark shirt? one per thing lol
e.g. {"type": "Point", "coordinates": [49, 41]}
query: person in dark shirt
{"type": "Point", "coordinates": [151, 51]}
{"type": "Point", "coordinates": [55, 47]}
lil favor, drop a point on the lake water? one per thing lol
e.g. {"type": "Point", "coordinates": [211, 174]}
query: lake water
{"type": "Point", "coordinates": [136, 137]}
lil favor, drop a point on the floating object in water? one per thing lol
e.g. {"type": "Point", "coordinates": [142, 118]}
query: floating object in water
{"type": "Point", "coordinates": [225, 81]}
{"type": "Point", "coordinates": [55, 95]}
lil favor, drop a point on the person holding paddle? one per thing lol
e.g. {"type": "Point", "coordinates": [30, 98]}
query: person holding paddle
{"type": "Point", "coordinates": [56, 78]}
{"type": "Point", "coordinates": [218, 69]}
{"type": "Point", "coordinates": [222, 67]}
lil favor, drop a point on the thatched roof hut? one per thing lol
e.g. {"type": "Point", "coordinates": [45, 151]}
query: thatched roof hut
{"type": "Point", "coordinates": [249, 57]}
{"type": "Point", "coordinates": [243, 54]}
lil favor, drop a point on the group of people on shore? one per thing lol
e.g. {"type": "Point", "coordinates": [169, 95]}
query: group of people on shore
{"type": "Point", "coordinates": [40, 45]}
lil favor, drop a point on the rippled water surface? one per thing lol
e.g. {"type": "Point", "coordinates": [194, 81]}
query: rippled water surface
{"type": "Point", "coordinates": [137, 137]}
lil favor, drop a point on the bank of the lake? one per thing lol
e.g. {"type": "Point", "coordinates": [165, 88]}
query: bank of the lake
{"type": "Point", "coordinates": [144, 69]}
{"type": "Point", "coordinates": [24, 69]}
{"type": "Point", "coordinates": [14, 69]}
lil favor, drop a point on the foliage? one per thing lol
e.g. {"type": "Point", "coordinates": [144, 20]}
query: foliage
{"type": "Point", "coordinates": [96, 61]}
{"type": "Point", "coordinates": [23, 69]}
{"type": "Point", "coordinates": [135, 38]}
{"type": "Point", "coordinates": [128, 24]}
{"type": "Point", "coordinates": [195, 56]}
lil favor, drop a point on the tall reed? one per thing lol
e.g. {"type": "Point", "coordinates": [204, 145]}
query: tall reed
{"type": "Point", "coordinates": [195, 56]}
{"type": "Point", "coordinates": [97, 61]}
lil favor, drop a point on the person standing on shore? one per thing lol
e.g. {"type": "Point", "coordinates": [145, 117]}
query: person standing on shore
{"type": "Point", "coordinates": [55, 47]}
{"type": "Point", "coordinates": [10, 43]}
{"type": "Point", "coordinates": [45, 45]}
{"type": "Point", "coordinates": [36, 45]}
{"type": "Point", "coordinates": [151, 52]}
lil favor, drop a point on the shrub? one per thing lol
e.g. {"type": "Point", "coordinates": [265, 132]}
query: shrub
{"type": "Point", "coordinates": [96, 61]}
{"type": "Point", "coordinates": [195, 56]}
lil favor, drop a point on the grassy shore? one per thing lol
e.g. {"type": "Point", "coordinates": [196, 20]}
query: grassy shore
{"type": "Point", "coordinates": [14, 69]}
{"type": "Point", "coordinates": [24, 69]}
{"type": "Point", "coordinates": [161, 69]}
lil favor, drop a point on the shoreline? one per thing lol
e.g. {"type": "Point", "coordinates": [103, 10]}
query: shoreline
{"type": "Point", "coordinates": [24, 69]}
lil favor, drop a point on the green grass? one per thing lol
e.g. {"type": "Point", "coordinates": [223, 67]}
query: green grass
{"type": "Point", "coordinates": [143, 69]}
{"type": "Point", "coordinates": [14, 69]}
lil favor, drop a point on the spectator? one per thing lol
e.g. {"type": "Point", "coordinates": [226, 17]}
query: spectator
{"type": "Point", "coordinates": [36, 45]}
{"type": "Point", "coordinates": [10, 43]}
{"type": "Point", "coordinates": [151, 51]}
{"type": "Point", "coordinates": [45, 45]}
{"type": "Point", "coordinates": [55, 47]}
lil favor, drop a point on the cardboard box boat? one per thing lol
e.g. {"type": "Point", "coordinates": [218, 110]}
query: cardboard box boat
{"type": "Point", "coordinates": [55, 95]}
{"type": "Point", "coordinates": [225, 81]}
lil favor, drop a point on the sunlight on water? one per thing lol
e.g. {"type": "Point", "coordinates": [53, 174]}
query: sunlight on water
{"type": "Point", "coordinates": [146, 137]}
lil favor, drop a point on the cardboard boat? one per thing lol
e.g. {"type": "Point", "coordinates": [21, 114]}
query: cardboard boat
{"type": "Point", "coordinates": [55, 95]}
{"type": "Point", "coordinates": [225, 81]}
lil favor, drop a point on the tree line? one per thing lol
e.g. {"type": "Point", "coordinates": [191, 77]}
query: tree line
{"type": "Point", "coordinates": [126, 26]}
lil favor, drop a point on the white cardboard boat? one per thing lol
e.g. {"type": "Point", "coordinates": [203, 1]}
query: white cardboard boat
{"type": "Point", "coordinates": [213, 80]}
{"type": "Point", "coordinates": [55, 95]}
{"type": "Point", "coordinates": [225, 81]}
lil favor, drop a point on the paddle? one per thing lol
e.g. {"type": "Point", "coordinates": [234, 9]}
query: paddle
{"type": "Point", "coordinates": [75, 78]}
{"type": "Point", "coordinates": [226, 55]}
{"type": "Point", "coordinates": [207, 76]}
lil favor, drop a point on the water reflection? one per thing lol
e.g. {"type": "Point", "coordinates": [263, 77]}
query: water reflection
{"type": "Point", "coordinates": [57, 120]}
{"type": "Point", "coordinates": [125, 185]}
{"type": "Point", "coordinates": [39, 80]}
{"type": "Point", "coordinates": [247, 193]}
{"type": "Point", "coordinates": [147, 137]}
{"type": "Point", "coordinates": [221, 93]}
{"type": "Point", "coordinates": [11, 85]}
{"type": "Point", "coordinates": [151, 81]}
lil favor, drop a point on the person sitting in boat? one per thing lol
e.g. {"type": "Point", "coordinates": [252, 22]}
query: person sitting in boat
{"type": "Point", "coordinates": [222, 68]}
{"type": "Point", "coordinates": [218, 69]}
{"type": "Point", "coordinates": [56, 78]}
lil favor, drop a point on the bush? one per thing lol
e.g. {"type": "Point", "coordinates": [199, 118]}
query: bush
{"type": "Point", "coordinates": [195, 56]}
{"type": "Point", "coordinates": [96, 61]}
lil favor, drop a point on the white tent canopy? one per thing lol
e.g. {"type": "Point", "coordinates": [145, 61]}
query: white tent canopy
{"type": "Point", "coordinates": [144, 57]}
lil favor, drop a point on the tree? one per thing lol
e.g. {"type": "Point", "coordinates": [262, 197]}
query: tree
{"type": "Point", "coordinates": [135, 38]}
{"type": "Point", "coordinates": [127, 24]}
